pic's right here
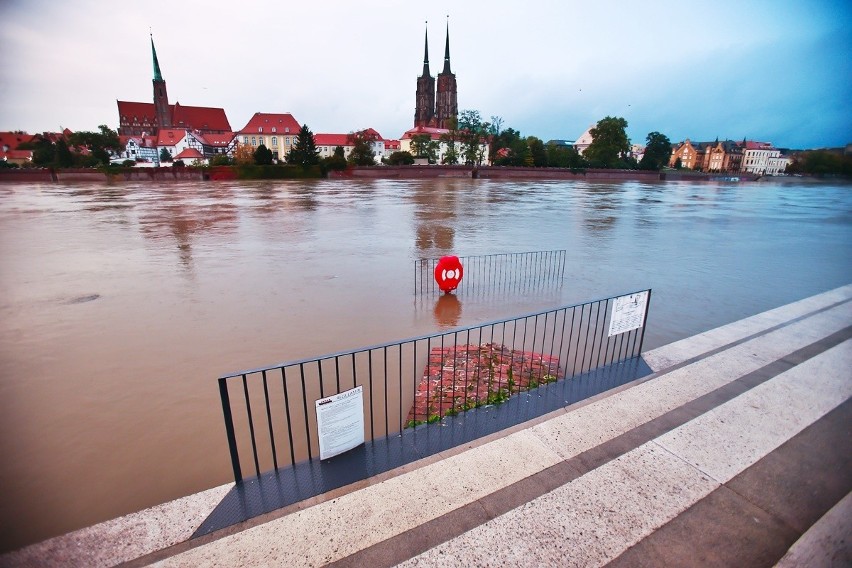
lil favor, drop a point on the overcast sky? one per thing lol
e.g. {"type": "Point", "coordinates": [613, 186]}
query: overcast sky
{"type": "Point", "coordinates": [776, 71]}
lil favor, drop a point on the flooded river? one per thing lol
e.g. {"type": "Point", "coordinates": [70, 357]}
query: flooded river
{"type": "Point", "coordinates": [120, 305]}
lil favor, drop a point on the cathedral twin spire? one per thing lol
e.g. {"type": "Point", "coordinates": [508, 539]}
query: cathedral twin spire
{"type": "Point", "coordinates": [431, 109]}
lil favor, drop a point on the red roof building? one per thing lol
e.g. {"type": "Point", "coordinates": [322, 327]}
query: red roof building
{"type": "Point", "coordinates": [11, 140]}
{"type": "Point", "coordinates": [137, 119]}
{"type": "Point", "coordinates": [326, 143]}
{"type": "Point", "coordinates": [276, 131]}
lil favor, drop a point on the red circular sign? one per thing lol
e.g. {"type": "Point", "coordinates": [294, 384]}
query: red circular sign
{"type": "Point", "coordinates": [448, 273]}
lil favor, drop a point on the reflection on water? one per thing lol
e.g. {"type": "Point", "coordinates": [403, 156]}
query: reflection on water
{"type": "Point", "coordinates": [435, 216]}
{"type": "Point", "coordinates": [108, 398]}
{"type": "Point", "coordinates": [448, 311]}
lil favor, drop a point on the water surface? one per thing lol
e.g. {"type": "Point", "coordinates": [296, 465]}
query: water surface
{"type": "Point", "coordinates": [121, 304]}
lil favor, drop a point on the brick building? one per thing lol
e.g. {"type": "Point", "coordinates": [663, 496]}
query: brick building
{"type": "Point", "coordinates": [435, 109]}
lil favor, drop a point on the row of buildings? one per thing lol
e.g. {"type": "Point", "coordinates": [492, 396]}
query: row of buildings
{"type": "Point", "coordinates": [728, 156]}
{"type": "Point", "coordinates": [194, 134]}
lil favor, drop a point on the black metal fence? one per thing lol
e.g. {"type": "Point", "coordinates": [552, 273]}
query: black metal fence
{"type": "Point", "coordinates": [269, 412]}
{"type": "Point", "coordinates": [517, 271]}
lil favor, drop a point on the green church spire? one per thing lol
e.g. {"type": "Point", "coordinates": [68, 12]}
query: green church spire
{"type": "Point", "coordinates": [157, 75]}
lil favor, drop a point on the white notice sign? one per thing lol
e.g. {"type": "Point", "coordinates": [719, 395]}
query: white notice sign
{"type": "Point", "coordinates": [628, 313]}
{"type": "Point", "coordinates": [340, 421]}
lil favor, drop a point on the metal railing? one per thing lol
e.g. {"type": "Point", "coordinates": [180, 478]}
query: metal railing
{"type": "Point", "coordinates": [517, 271]}
{"type": "Point", "coordinates": [269, 412]}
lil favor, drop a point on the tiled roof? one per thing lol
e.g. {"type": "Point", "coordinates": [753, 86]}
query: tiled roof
{"type": "Point", "coordinates": [283, 124]}
{"type": "Point", "coordinates": [199, 118]}
{"type": "Point", "coordinates": [753, 145]}
{"type": "Point", "coordinates": [141, 141]}
{"type": "Point", "coordinates": [214, 139]}
{"type": "Point", "coordinates": [392, 144]}
{"type": "Point", "coordinates": [189, 153]}
{"type": "Point", "coordinates": [331, 140]}
{"type": "Point", "coordinates": [139, 110]}
{"type": "Point", "coordinates": [170, 136]}
{"type": "Point", "coordinates": [434, 133]}
{"type": "Point", "coordinates": [372, 132]}
{"type": "Point", "coordinates": [13, 139]}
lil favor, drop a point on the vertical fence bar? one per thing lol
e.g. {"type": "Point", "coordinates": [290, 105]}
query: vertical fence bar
{"type": "Point", "coordinates": [287, 410]}
{"type": "Point", "coordinates": [370, 379]}
{"type": "Point", "coordinates": [229, 430]}
{"type": "Point", "coordinates": [269, 420]}
{"type": "Point", "coordinates": [645, 320]}
{"type": "Point", "coordinates": [305, 404]}
{"type": "Point", "coordinates": [251, 425]}
{"type": "Point", "coordinates": [385, 367]}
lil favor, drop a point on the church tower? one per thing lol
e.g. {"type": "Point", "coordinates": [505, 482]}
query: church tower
{"type": "Point", "coordinates": [424, 109]}
{"type": "Point", "coordinates": [161, 97]}
{"type": "Point", "coordinates": [446, 104]}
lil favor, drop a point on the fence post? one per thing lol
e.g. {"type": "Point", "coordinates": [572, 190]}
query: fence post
{"type": "Point", "coordinates": [229, 429]}
{"type": "Point", "coordinates": [645, 321]}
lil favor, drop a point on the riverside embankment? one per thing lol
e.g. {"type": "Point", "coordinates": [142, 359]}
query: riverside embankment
{"type": "Point", "coordinates": [221, 173]}
{"type": "Point", "coordinates": [734, 452]}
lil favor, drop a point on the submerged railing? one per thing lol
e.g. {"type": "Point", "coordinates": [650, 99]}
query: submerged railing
{"type": "Point", "coordinates": [516, 272]}
{"type": "Point", "coordinates": [269, 413]}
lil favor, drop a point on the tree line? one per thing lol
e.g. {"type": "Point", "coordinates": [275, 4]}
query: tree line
{"type": "Point", "coordinates": [82, 149]}
{"type": "Point", "coordinates": [466, 141]}
{"type": "Point", "coordinates": [469, 135]}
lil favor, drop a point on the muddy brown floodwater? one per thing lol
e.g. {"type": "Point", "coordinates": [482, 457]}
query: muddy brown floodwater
{"type": "Point", "coordinates": [120, 305]}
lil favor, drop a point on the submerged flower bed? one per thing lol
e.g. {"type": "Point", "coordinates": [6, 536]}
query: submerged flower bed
{"type": "Point", "coordinates": [462, 377]}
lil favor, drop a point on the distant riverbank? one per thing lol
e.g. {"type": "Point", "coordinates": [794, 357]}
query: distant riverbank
{"type": "Point", "coordinates": [376, 172]}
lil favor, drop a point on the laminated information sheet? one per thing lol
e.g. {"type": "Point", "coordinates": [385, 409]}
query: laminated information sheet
{"type": "Point", "coordinates": [340, 421]}
{"type": "Point", "coordinates": [628, 313]}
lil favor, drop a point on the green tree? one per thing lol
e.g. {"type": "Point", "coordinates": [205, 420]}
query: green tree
{"type": "Point", "coordinates": [609, 143]}
{"type": "Point", "coordinates": [221, 160]}
{"type": "Point", "coordinates": [450, 138]}
{"type": "Point", "coordinates": [362, 148]}
{"type": "Point", "coordinates": [821, 162]}
{"type": "Point", "coordinates": [262, 156]}
{"type": "Point", "coordinates": [336, 161]}
{"type": "Point", "coordinates": [537, 152]}
{"type": "Point", "coordinates": [44, 152]}
{"type": "Point", "coordinates": [400, 159]}
{"type": "Point", "coordinates": [512, 149]}
{"type": "Point", "coordinates": [473, 133]}
{"type": "Point", "coordinates": [658, 150]}
{"type": "Point", "coordinates": [165, 156]}
{"type": "Point", "coordinates": [64, 156]}
{"type": "Point", "coordinates": [101, 144]}
{"type": "Point", "coordinates": [423, 146]}
{"type": "Point", "coordinates": [304, 153]}
{"type": "Point", "coordinates": [559, 156]}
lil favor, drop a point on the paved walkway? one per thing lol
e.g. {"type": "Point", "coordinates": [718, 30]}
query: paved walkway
{"type": "Point", "coordinates": [736, 452]}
